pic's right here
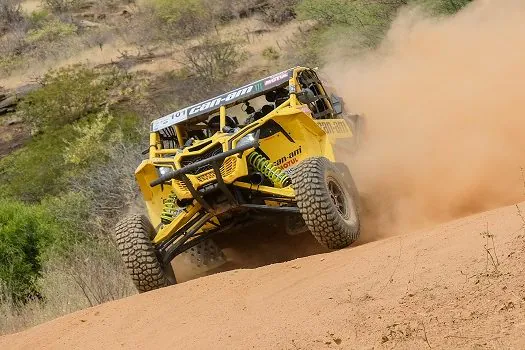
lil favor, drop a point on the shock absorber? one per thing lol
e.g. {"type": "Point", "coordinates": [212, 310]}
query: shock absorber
{"type": "Point", "coordinates": [278, 177]}
{"type": "Point", "coordinates": [170, 210]}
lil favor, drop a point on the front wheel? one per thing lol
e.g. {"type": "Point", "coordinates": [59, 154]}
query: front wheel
{"type": "Point", "coordinates": [133, 235]}
{"type": "Point", "coordinates": [327, 202]}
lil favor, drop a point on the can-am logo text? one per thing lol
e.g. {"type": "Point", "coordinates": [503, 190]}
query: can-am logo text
{"type": "Point", "coordinates": [289, 160]}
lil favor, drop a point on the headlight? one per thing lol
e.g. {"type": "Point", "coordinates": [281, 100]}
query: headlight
{"type": "Point", "coordinates": [246, 140]}
{"type": "Point", "coordinates": [164, 170]}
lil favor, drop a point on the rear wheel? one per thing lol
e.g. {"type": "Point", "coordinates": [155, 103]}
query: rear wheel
{"type": "Point", "coordinates": [134, 235]}
{"type": "Point", "coordinates": [327, 202]}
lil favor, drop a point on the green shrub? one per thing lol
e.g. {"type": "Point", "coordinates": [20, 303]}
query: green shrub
{"type": "Point", "coordinates": [183, 17]}
{"type": "Point", "coordinates": [7, 61]}
{"type": "Point", "coordinates": [97, 137]}
{"type": "Point", "coordinates": [60, 6]}
{"type": "Point", "coordinates": [306, 47]}
{"type": "Point", "coordinates": [73, 93]}
{"type": "Point", "coordinates": [25, 232]}
{"type": "Point", "coordinates": [38, 17]}
{"type": "Point", "coordinates": [271, 53]}
{"type": "Point", "coordinates": [50, 31]}
{"type": "Point", "coordinates": [77, 110]}
{"type": "Point", "coordinates": [214, 59]}
{"type": "Point", "coordinates": [67, 95]}
{"type": "Point", "coordinates": [364, 21]}
{"type": "Point", "coordinates": [447, 7]}
{"type": "Point", "coordinates": [51, 244]}
{"type": "Point", "coordinates": [130, 124]}
{"type": "Point", "coordinates": [45, 168]}
{"type": "Point", "coordinates": [270, 11]}
{"type": "Point", "coordinates": [208, 69]}
{"type": "Point", "coordinates": [173, 11]}
{"type": "Point", "coordinates": [38, 169]}
{"type": "Point", "coordinates": [71, 211]}
{"type": "Point", "coordinates": [330, 11]}
{"type": "Point", "coordinates": [278, 11]}
{"type": "Point", "coordinates": [91, 145]}
{"type": "Point", "coordinates": [369, 19]}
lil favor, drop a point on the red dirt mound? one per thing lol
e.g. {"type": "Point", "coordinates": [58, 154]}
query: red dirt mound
{"type": "Point", "coordinates": [459, 285]}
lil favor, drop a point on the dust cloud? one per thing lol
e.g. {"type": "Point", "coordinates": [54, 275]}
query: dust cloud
{"type": "Point", "coordinates": [444, 101]}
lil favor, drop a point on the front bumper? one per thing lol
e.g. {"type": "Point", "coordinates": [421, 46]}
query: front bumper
{"type": "Point", "coordinates": [227, 167]}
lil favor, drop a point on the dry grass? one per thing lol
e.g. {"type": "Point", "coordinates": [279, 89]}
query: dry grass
{"type": "Point", "coordinates": [88, 275]}
{"type": "Point", "coordinates": [112, 186]}
{"type": "Point", "coordinates": [10, 13]}
{"type": "Point", "coordinates": [214, 59]}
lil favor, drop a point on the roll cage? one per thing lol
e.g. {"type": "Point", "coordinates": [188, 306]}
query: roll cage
{"type": "Point", "coordinates": [173, 130]}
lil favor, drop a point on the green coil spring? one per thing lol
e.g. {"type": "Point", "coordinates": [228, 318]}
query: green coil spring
{"type": "Point", "coordinates": [273, 173]}
{"type": "Point", "coordinates": [170, 210]}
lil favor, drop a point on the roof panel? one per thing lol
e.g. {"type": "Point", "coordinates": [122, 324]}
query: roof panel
{"type": "Point", "coordinates": [245, 92]}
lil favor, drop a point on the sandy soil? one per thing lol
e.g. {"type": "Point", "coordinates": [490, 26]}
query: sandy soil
{"type": "Point", "coordinates": [30, 6]}
{"type": "Point", "coordinates": [430, 289]}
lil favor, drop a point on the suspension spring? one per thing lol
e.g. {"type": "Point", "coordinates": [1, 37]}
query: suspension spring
{"type": "Point", "coordinates": [170, 210]}
{"type": "Point", "coordinates": [278, 177]}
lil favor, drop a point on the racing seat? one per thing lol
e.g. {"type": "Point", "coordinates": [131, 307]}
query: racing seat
{"type": "Point", "coordinates": [263, 112]}
{"type": "Point", "coordinates": [214, 124]}
{"type": "Point", "coordinates": [278, 96]}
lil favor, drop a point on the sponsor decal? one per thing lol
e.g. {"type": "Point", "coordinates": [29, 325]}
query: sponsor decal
{"type": "Point", "coordinates": [289, 160]}
{"type": "Point", "coordinates": [170, 119]}
{"type": "Point", "coordinates": [184, 114]}
{"type": "Point", "coordinates": [258, 87]}
{"type": "Point", "coordinates": [212, 104]}
{"type": "Point", "coordinates": [209, 105]}
{"type": "Point", "coordinates": [276, 78]}
{"type": "Point", "coordinates": [334, 126]}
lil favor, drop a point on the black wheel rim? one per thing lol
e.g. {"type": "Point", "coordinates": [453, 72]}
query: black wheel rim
{"type": "Point", "coordinates": [337, 195]}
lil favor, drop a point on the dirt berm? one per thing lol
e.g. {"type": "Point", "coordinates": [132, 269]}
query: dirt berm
{"type": "Point", "coordinates": [433, 289]}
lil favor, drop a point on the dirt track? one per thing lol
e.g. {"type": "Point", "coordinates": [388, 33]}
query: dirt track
{"type": "Point", "coordinates": [423, 290]}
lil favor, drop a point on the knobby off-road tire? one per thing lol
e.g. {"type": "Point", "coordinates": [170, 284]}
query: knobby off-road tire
{"type": "Point", "coordinates": [327, 202]}
{"type": "Point", "coordinates": [350, 184]}
{"type": "Point", "coordinates": [134, 235]}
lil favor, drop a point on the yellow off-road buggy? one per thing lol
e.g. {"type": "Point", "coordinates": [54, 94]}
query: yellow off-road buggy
{"type": "Point", "coordinates": [261, 150]}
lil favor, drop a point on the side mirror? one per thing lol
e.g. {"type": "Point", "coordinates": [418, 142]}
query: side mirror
{"type": "Point", "coordinates": [337, 104]}
{"type": "Point", "coordinates": [306, 96]}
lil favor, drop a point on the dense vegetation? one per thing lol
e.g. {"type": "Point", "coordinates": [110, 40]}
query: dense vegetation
{"type": "Point", "coordinates": [50, 206]}
{"type": "Point", "coordinates": [61, 194]}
